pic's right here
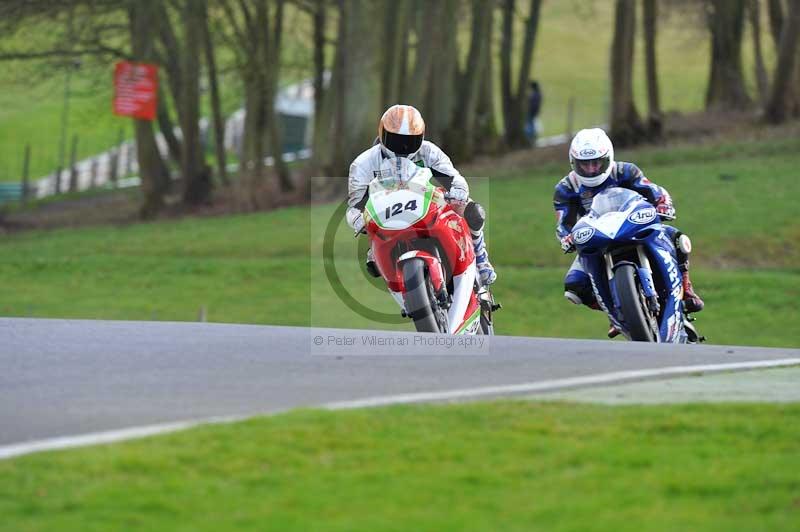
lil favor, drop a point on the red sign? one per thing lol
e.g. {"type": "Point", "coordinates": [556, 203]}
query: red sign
{"type": "Point", "coordinates": [135, 90]}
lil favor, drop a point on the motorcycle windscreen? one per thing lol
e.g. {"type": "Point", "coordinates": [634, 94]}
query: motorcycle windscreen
{"type": "Point", "coordinates": [396, 173]}
{"type": "Point", "coordinates": [614, 199]}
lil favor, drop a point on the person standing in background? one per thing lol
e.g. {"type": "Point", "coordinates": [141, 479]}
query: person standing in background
{"type": "Point", "coordinates": [534, 105]}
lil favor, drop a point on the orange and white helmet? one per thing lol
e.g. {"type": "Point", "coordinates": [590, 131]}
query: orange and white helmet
{"type": "Point", "coordinates": [401, 131]}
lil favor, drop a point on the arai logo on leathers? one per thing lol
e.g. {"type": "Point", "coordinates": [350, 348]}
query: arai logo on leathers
{"type": "Point", "coordinates": [583, 235]}
{"type": "Point", "coordinates": [642, 216]}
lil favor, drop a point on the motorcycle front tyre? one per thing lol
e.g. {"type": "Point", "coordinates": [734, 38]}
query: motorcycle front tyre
{"type": "Point", "coordinates": [418, 298]}
{"type": "Point", "coordinates": [632, 304]}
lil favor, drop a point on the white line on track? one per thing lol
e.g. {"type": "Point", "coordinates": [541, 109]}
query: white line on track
{"type": "Point", "coordinates": [67, 442]}
{"type": "Point", "coordinates": [111, 436]}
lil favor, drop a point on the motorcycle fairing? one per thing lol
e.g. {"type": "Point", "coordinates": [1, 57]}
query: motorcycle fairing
{"type": "Point", "coordinates": [428, 229]}
{"type": "Point", "coordinates": [638, 225]}
{"type": "Point", "coordinates": [464, 311]}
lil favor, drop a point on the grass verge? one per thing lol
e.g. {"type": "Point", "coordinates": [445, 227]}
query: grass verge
{"type": "Point", "coordinates": [502, 465]}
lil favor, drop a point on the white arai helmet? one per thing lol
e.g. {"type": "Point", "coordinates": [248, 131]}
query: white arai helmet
{"type": "Point", "coordinates": [591, 156]}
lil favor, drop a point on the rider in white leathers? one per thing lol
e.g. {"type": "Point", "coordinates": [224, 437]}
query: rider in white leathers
{"type": "Point", "coordinates": [401, 133]}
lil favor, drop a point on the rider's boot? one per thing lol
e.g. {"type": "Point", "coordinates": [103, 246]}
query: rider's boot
{"type": "Point", "coordinates": [580, 295]}
{"type": "Point", "coordinates": [486, 271]}
{"type": "Point", "coordinates": [372, 267]}
{"type": "Point", "coordinates": [613, 331]}
{"type": "Point", "coordinates": [691, 301]}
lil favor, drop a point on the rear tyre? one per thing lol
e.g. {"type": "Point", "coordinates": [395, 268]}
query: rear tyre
{"type": "Point", "coordinates": [420, 303]}
{"type": "Point", "coordinates": [632, 303]}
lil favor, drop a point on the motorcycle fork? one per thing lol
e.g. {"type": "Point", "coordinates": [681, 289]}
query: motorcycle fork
{"type": "Point", "coordinates": [609, 267]}
{"type": "Point", "coordinates": [646, 277]}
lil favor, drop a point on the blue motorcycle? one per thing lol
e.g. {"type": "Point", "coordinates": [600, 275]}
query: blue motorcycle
{"type": "Point", "coordinates": [632, 264]}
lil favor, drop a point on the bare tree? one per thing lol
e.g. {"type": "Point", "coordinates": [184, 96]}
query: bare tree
{"type": "Point", "coordinates": [395, 51]}
{"type": "Point", "coordinates": [654, 117]}
{"type": "Point", "coordinates": [353, 99]}
{"type": "Point", "coordinates": [514, 97]}
{"type": "Point", "coordinates": [152, 170]}
{"type": "Point", "coordinates": [196, 176]}
{"type": "Point", "coordinates": [167, 127]}
{"type": "Point", "coordinates": [726, 89]}
{"type": "Point", "coordinates": [319, 16]}
{"type": "Point", "coordinates": [179, 54]}
{"type": "Point", "coordinates": [775, 12]}
{"type": "Point", "coordinates": [626, 126]}
{"type": "Point", "coordinates": [217, 120]}
{"type": "Point", "coordinates": [486, 131]}
{"type": "Point", "coordinates": [782, 101]}
{"type": "Point", "coordinates": [436, 67]}
{"type": "Point", "coordinates": [754, 16]}
{"type": "Point", "coordinates": [462, 137]}
{"type": "Point", "coordinates": [254, 33]}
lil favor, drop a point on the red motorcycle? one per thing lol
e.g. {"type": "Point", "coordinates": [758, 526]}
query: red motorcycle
{"type": "Point", "coordinates": [423, 250]}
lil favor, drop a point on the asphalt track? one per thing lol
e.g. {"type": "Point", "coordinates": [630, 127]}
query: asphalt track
{"type": "Point", "coordinates": [63, 378]}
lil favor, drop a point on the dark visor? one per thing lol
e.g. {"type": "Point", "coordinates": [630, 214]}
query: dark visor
{"type": "Point", "coordinates": [592, 167]}
{"type": "Point", "coordinates": [401, 144]}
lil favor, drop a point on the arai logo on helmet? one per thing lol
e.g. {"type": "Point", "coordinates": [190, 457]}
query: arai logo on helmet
{"type": "Point", "coordinates": [582, 236]}
{"type": "Point", "coordinates": [587, 152]}
{"type": "Point", "coordinates": [642, 216]}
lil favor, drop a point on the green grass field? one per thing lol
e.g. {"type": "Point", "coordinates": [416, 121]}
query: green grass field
{"type": "Point", "coordinates": [484, 466]}
{"type": "Point", "coordinates": [268, 267]}
{"type": "Point", "coordinates": [491, 466]}
{"type": "Point", "coordinates": [487, 466]}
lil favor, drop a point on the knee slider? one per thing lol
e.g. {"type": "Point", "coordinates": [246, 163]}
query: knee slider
{"type": "Point", "coordinates": [578, 293]}
{"type": "Point", "coordinates": [475, 216]}
{"type": "Point", "coordinates": [572, 297]}
{"type": "Point", "coordinates": [683, 243]}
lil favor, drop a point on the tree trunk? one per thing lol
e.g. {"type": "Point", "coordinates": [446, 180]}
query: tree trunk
{"type": "Point", "coordinates": [439, 104]}
{"type": "Point", "coordinates": [775, 12]}
{"type": "Point", "coordinates": [753, 10]}
{"type": "Point", "coordinates": [485, 121]}
{"type": "Point", "coordinates": [167, 127]}
{"type": "Point", "coordinates": [726, 89]}
{"type": "Point", "coordinates": [257, 35]}
{"type": "Point", "coordinates": [171, 53]}
{"type": "Point", "coordinates": [462, 134]}
{"type": "Point", "coordinates": [354, 94]}
{"type": "Point", "coordinates": [435, 69]}
{"type": "Point", "coordinates": [514, 99]}
{"type": "Point", "coordinates": [654, 116]}
{"type": "Point", "coordinates": [394, 60]}
{"type": "Point", "coordinates": [626, 126]}
{"type": "Point", "coordinates": [254, 142]}
{"type": "Point", "coordinates": [152, 170]}
{"type": "Point", "coordinates": [319, 21]}
{"type": "Point", "coordinates": [272, 53]}
{"type": "Point", "coordinates": [217, 120]}
{"type": "Point", "coordinates": [196, 178]}
{"type": "Point", "coordinates": [506, 45]}
{"type": "Point", "coordinates": [782, 101]}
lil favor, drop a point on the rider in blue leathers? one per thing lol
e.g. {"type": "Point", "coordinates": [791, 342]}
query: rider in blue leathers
{"type": "Point", "coordinates": [591, 157]}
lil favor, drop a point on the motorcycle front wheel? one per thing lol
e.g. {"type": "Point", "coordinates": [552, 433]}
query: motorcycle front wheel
{"type": "Point", "coordinates": [632, 303]}
{"type": "Point", "coordinates": [421, 305]}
